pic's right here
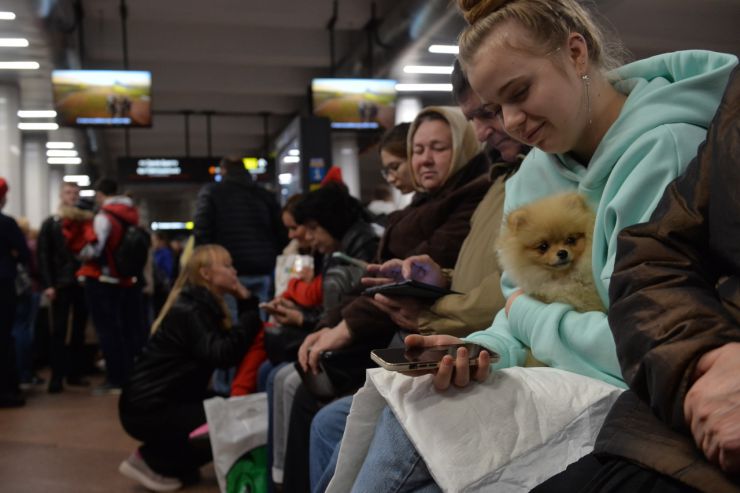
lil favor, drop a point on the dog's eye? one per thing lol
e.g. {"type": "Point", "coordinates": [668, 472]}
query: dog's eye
{"type": "Point", "coordinates": [542, 247]}
{"type": "Point", "coordinates": [571, 240]}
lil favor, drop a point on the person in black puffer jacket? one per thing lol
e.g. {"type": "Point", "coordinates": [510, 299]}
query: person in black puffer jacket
{"type": "Point", "coordinates": [245, 219]}
{"type": "Point", "coordinates": [163, 400]}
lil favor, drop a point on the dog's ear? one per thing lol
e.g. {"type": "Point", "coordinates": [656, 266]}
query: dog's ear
{"type": "Point", "coordinates": [516, 219]}
{"type": "Point", "coordinates": [577, 201]}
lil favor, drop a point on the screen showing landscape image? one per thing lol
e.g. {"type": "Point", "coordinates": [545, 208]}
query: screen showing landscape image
{"type": "Point", "coordinates": [102, 97]}
{"type": "Point", "coordinates": [355, 103]}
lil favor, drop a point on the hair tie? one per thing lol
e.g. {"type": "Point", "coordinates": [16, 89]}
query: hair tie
{"type": "Point", "coordinates": [474, 10]}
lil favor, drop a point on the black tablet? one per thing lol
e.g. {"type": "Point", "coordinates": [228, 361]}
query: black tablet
{"type": "Point", "coordinates": [411, 288]}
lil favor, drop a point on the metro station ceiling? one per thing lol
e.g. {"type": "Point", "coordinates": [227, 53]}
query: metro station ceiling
{"type": "Point", "coordinates": [253, 56]}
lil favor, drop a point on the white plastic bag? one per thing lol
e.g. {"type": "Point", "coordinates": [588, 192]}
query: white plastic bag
{"type": "Point", "coordinates": [235, 426]}
{"type": "Point", "coordinates": [508, 434]}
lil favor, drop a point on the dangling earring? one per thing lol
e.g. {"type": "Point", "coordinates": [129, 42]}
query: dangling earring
{"type": "Point", "coordinates": [586, 84]}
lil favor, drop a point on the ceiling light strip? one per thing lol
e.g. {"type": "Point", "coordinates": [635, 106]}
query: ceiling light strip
{"type": "Point", "coordinates": [37, 113]}
{"type": "Point", "coordinates": [445, 49]}
{"type": "Point", "coordinates": [427, 69]}
{"type": "Point", "coordinates": [13, 42]}
{"type": "Point", "coordinates": [424, 87]}
{"type": "Point", "coordinates": [37, 126]}
{"type": "Point", "coordinates": [19, 65]}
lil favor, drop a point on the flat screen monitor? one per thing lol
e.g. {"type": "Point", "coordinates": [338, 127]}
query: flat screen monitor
{"type": "Point", "coordinates": [355, 103]}
{"type": "Point", "coordinates": [120, 98]}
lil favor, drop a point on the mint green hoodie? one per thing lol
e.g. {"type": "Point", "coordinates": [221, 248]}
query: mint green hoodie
{"type": "Point", "coordinates": [671, 100]}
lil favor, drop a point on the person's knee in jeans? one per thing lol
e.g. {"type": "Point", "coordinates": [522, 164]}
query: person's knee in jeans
{"type": "Point", "coordinates": [392, 462]}
{"type": "Point", "coordinates": [327, 429]}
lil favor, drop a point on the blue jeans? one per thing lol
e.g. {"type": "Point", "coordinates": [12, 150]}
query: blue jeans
{"type": "Point", "coordinates": [23, 330]}
{"type": "Point", "coordinates": [116, 314]}
{"type": "Point", "coordinates": [259, 286]}
{"type": "Point", "coordinates": [392, 464]}
{"type": "Point", "coordinates": [327, 429]}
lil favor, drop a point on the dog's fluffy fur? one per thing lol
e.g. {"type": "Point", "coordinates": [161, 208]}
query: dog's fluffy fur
{"type": "Point", "coordinates": [545, 247]}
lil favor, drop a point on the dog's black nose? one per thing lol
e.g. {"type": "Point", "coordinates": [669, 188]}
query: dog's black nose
{"type": "Point", "coordinates": [562, 254]}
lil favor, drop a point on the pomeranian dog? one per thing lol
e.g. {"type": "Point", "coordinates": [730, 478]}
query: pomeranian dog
{"type": "Point", "coordinates": [545, 247]}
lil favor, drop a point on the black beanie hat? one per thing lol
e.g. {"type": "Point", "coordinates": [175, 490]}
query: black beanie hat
{"type": "Point", "coordinates": [332, 207]}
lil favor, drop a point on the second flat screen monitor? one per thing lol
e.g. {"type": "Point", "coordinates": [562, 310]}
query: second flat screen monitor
{"type": "Point", "coordinates": [355, 103]}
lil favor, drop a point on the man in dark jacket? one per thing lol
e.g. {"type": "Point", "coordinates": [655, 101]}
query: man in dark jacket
{"type": "Point", "coordinates": [675, 316]}
{"type": "Point", "coordinates": [13, 249]}
{"type": "Point", "coordinates": [57, 268]}
{"type": "Point", "coordinates": [244, 219]}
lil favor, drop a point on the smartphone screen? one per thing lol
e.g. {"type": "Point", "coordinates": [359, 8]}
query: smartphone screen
{"type": "Point", "coordinates": [420, 358]}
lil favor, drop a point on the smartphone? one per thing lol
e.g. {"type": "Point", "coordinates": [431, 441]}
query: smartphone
{"type": "Point", "coordinates": [411, 288]}
{"type": "Point", "coordinates": [424, 358]}
{"type": "Point", "coordinates": [349, 260]}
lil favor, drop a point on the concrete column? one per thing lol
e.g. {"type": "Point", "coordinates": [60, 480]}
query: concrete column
{"type": "Point", "coordinates": [37, 201]}
{"type": "Point", "coordinates": [10, 149]}
{"type": "Point", "coordinates": [56, 175]}
{"type": "Point", "coordinates": [345, 155]}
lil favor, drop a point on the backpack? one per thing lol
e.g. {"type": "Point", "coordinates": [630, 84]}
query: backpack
{"type": "Point", "coordinates": [131, 253]}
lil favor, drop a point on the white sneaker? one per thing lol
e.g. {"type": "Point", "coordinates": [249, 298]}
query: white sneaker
{"type": "Point", "coordinates": [135, 468]}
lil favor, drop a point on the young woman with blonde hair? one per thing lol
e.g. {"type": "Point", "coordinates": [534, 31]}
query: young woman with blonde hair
{"type": "Point", "coordinates": [163, 400]}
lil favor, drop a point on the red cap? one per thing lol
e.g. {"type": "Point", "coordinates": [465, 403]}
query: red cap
{"type": "Point", "coordinates": [3, 188]}
{"type": "Point", "coordinates": [333, 175]}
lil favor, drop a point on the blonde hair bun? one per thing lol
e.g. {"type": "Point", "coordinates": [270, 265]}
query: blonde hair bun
{"type": "Point", "coordinates": [474, 10]}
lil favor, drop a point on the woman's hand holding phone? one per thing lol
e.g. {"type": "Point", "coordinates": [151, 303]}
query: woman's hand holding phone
{"type": "Point", "coordinates": [456, 371]}
{"type": "Point", "coordinates": [380, 274]}
{"type": "Point", "coordinates": [403, 311]}
{"type": "Point", "coordinates": [420, 268]}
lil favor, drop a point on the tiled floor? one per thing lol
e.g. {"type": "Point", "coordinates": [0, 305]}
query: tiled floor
{"type": "Point", "coordinates": [69, 443]}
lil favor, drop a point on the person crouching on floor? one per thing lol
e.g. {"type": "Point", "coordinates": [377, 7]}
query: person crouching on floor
{"type": "Point", "coordinates": [163, 401]}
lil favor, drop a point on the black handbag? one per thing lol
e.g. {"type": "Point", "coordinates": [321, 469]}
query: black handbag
{"type": "Point", "coordinates": [342, 373]}
{"type": "Point", "coordinates": [282, 343]}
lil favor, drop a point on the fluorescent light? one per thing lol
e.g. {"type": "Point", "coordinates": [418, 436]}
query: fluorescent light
{"type": "Point", "coordinates": [7, 16]}
{"type": "Point", "coordinates": [424, 87]}
{"type": "Point", "coordinates": [64, 160]}
{"type": "Point", "coordinates": [37, 113]}
{"type": "Point", "coordinates": [19, 65]}
{"type": "Point", "coordinates": [446, 49]}
{"type": "Point", "coordinates": [285, 178]}
{"type": "Point", "coordinates": [60, 145]}
{"type": "Point", "coordinates": [292, 159]}
{"type": "Point", "coordinates": [427, 69]}
{"type": "Point", "coordinates": [61, 153]}
{"type": "Point", "coordinates": [294, 152]}
{"type": "Point", "coordinates": [87, 193]}
{"type": "Point", "coordinates": [81, 180]}
{"type": "Point", "coordinates": [171, 225]}
{"type": "Point", "coordinates": [38, 126]}
{"type": "Point", "coordinates": [13, 42]}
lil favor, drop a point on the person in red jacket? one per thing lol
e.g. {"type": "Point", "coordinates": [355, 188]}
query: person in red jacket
{"type": "Point", "coordinates": [114, 301]}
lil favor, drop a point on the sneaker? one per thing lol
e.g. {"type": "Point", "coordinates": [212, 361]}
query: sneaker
{"type": "Point", "coordinates": [106, 389]}
{"type": "Point", "coordinates": [12, 400]}
{"type": "Point", "coordinates": [135, 468]}
{"type": "Point", "coordinates": [55, 385]}
{"type": "Point", "coordinates": [78, 382]}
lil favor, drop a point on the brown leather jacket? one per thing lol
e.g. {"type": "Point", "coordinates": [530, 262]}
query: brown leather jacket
{"type": "Point", "coordinates": [675, 295]}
